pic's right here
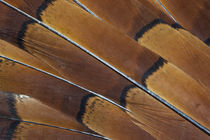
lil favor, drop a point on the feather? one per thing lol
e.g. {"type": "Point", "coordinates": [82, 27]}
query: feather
{"type": "Point", "coordinates": [15, 130]}
{"type": "Point", "coordinates": [89, 50]}
{"type": "Point", "coordinates": [174, 47]}
{"type": "Point", "coordinates": [191, 14]}
{"type": "Point", "coordinates": [157, 119]}
{"type": "Point", "coordinates": [127, 15]}
{"type": "Point", "coordinates": [93, 111]}
{"type": "Point", "coordinates": [137, 62]}
{"type": "Point", "coordinates": [29, 109]}
{"type": "Point", "coordinates": [69, 100]}
{"type": "Point", "coordinates": [13, 52]}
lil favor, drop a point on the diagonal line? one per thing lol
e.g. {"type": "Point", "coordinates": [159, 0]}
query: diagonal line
{"type": "Point", "coordinates": [92, 13]}
{"type": "Point", "coordinates": [113, 68]}
{"type": "Point", "coordinates": [58, 127]}
{"type": "Point", "coordinates": [62, 79]}
{"type": "Point", "coordinates": [86, 9]}
{"type": "Point", "coordinates": [166, 10]}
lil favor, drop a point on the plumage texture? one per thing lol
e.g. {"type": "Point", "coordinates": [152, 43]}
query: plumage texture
{"type": "Point", "coordinates": [136, 37]}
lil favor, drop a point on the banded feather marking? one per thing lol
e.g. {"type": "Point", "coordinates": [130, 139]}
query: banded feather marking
{"type": "Point", "coordinates": [176, 47]}
{"type": "Point", "coordinates": [155, 67]}
{"type": "Point", "coordinates": [26, 110]}
{"type": "Point", "coordinates": [109, 120]}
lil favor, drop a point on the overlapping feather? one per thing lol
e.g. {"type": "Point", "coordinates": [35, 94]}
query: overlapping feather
{"type": "Point", "coordinates": [127, 35]}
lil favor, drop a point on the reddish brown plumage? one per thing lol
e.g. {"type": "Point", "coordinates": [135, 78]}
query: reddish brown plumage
{"type": "Point", "coordinates": [157, 61]}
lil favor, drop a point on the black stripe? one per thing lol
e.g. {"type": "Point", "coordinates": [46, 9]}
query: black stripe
{"type": "Point", "coordinates": [177, 26]}
{"type": "Point", "coordinates": [124, 94]}
{"type": "Point", "coordinates": [21, 34]}
{"type": "Point", "coordinates": [207, 41]}
{"type": "Point", "coordinates": [23, 29]}
{"type": "Point", "coordinates": [83, 106]}
{"type": "Point", "coordinates": [11, 130]}
{"type": "Point", "coordinates": [41, 8]}
{"type": "Point", "coordinates": [11, 103]}
{"type": "Point", "coordinates": [148, 27]}
{"type": "Point", "coordinates": [159, 63]}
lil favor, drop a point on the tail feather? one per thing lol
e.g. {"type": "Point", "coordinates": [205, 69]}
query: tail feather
{"type": "Point", "coordinates": [157, 119]}
{"type": "Point", "coordinates": [80, 51]}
